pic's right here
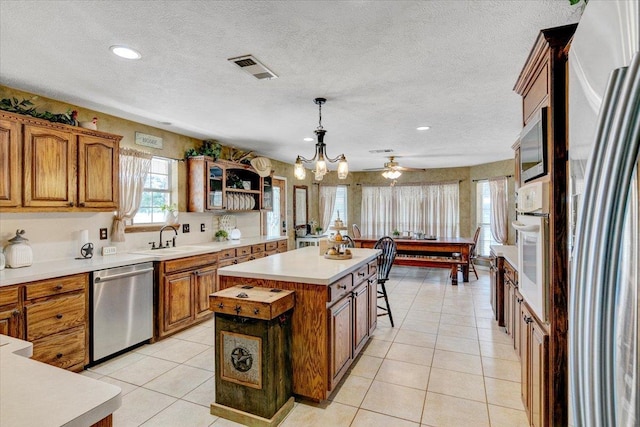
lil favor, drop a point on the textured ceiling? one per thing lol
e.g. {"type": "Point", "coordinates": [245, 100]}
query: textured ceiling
{"type": "Point", "coordinates": [385, 68]}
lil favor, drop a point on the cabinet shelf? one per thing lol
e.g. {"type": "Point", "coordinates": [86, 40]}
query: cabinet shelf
{"type": "Point", "coordinates": [239, 190]}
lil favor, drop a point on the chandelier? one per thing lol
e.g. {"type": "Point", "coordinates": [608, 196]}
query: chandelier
{"type": "Point", "coordinates": [320, 157]}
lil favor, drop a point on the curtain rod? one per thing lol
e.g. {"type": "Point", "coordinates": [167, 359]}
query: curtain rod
{"type": "Point", "coordinates": [413, 183]}
{"type": "Point", "coordinates": [330, 185]}
{"type": "Point", "coordinates": [487, 179]}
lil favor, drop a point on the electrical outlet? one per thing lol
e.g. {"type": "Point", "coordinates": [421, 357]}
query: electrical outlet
{"type": "Point", "coordinates": [203, 228]}
{"type": "Point", "coordinates": [103, 234]}
{"type": "Point", "coordinates": [108, 250]}
{"type": "Point", "coordinates": [185, 228]}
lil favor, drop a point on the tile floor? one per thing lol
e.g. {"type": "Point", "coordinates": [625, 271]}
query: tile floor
{"type": "Point", "coordinates": [446, 363]}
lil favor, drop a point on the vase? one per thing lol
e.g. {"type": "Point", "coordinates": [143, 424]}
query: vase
{"type": "Point", "coordinates": [171, 217]}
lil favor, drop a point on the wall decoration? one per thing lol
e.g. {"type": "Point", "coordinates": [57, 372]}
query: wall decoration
{"type": "Point", "coordinates": [148, 140]}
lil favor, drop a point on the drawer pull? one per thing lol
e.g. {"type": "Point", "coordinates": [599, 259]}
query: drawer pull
{"type": "Point", "coordinates": [342, 286]}
{"type": "Point", "coordinates": [235, 261]}
{"type": "Point", "coordinates": [238, 309]}
{"type": "Point", "coordinates": [58, 287]}
{"type": "Point", "coordinates": [256, 310]}
{"type": "Point", "coordinates": [519, 300]}
{"type": "Point", "coordinates": [58, 316]}
{"type": "Point", "coordinates": [221, 306]}
{"type": "Point", "coordinates": [59, 355]}
{"type": "Point", "coordinates": [361, 274]}
{"type": "Point", "coordinates": [15, 312]}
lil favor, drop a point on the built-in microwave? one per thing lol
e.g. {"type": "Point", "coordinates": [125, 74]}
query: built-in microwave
{"type": "Point", "coordinates": [532, 226]}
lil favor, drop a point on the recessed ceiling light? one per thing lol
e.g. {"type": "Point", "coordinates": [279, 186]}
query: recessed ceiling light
{"type": "Point", "coordinates": [308, 139]}
{"type": "Point", "coordinates": [423, 127]}
{"type": "Point", "coordinates": [125, 52]}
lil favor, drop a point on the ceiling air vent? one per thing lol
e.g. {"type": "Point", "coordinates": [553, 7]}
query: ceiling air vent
{"type": "Point", "coordinates": [383, 150]}
{"type": "Point", "coordinates": [254, 67]}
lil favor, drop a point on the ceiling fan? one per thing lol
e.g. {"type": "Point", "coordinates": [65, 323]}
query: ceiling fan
{"type": "Point", "coordinates": [392, 170]}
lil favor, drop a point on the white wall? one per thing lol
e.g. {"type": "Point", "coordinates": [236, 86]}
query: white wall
{"type": "Point", "coordinates": [54, 236]}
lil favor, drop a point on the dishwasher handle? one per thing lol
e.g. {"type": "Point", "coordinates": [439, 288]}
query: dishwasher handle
{"type": "Point", "coordinates": [120, 276]}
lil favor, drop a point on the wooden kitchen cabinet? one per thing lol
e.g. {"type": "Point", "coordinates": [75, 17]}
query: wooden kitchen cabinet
{"type": "Point", "coordinates": [534, 363]}
{"type": "Point", "coordinates": [185, 285]}
{"type": "Point", "coordinates": [340, 322]}
{"type": "Point", "coordinates": [51, 166]}
{"type": "Point", "coordinates": [212, 186]}
{"type": "Point", "coordinates": [57, 320]}
{"type": "Point", "coordinates": [11, 317]}
{"type": "Point", "coordinates": [360, 317]}
{"type": "Point", "coordinates": [496, 276]}
{"type": "Point", "coordinates": [510, 284]}
{"type": "Point", "coordinates": [10, 164]}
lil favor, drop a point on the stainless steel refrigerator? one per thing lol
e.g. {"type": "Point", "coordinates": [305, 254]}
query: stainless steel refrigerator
{"type": "Point", "coordinates": [604, 139]}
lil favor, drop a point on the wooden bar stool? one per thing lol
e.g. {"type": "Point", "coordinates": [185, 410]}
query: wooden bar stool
{"type": "Point", "coordinates": [385, 260]}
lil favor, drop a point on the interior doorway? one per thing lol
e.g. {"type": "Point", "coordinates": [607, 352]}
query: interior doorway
{"type": "Point", "coordinates": [275, 221]}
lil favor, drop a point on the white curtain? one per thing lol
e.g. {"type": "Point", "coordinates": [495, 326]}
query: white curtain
{"type": "Point", "coordinates": [327, 203]}
{"type": "Point", "coordinates": [134, 168]}
{"type": "Point", "coordinates": [498, 220]}
{"type": "Point", "coordinates": [429, 208]}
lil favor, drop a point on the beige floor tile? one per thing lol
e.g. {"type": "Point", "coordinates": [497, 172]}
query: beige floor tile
{"type": "Point", "coordinates": [181, 351]}
{"type": "Point", "coordinates": [352, 390]}
{"type": "Point", "coordinates": [119, 362]}
{"type": "Point", "coordinates": [410, 353]}
{"type": "Point", "coordinates": [221, 422]}
{"type": "Point", "coordinates": [150, 349]}
{"type": "Point", "coordinates": [377, 348]}
{"type": "Point", "coordinates": [366, 366]}
{"type": "Point", "coordinates": [140, 405]}
{"type": "Point", "coordinates": [455, 319]}
{"type": "Point", "coordinates": [503, 393]}
{"type": "Point", "coordinates": [460, 345]}
{"type": "Point", "coordinates": [143, 371]}
{"type": "Point", "coordinates": [91, 374]}
{"type": "Point", "coordinates": [457, 384]}
{"type": "Point", "coordinates": [485, 313]}
{"type": "Point", "coordinates": [483, 322]}
{"type": "Point", "coordinates": [204, 360]}
{"type": "Point", "coordinates": [415, 338]}
{"type": "Point", "coordinates": [385, 333]}
{"type": "Point", "coordinates": [420, 326]}
{"type": "Point", "coordinates": [180, 380]}
{"type": "Point", "coordinates": [498, 351]}
{"type": "Point", "coordinates": [506, 417]}
{"type": "Point", "coordinates": [404, 373]}
{"type": "Point", "coordinates": [459, 362]}
{"type": "Point", "coordinates": [204, 394]}
{"type": "Point", "coordinates": [125, 387]}
{"type": "Point", "coordinates": [324, 414]}
{"type": "Point", "coordinates": [502, 369]}
{"type": "Point", "coordinates": [373, 419]}
{"type": "Point", "coordinates": [204, 337]}
{"type": "Point", "coordinates": [494, 335]}
{"type": "Point", "coordinates": [459, 331]}
{"type": "Point", "coordinates": [394, 400]}
{"type": "Point", "coordinates": [423, 315]}
{"type": "Point", "coordinates": [448, 411]}
{"type": "Point", "coordinates": [182, 413]}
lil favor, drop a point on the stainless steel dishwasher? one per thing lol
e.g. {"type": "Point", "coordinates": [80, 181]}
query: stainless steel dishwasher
{"type": "Point", "coordinates": [121, 309]}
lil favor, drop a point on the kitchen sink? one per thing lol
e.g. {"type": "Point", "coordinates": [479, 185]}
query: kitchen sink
{"type": "Point", "coordinates": [169, 251]}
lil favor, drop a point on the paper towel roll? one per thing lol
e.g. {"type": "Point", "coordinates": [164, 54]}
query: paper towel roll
{"type": "Point", "coordinates": [83, 238]}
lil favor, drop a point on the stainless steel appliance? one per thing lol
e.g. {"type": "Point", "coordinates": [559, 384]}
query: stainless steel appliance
{"type": "Point", "coordinates": [122, 309]}
{"type": "Point", "coordinates": [604, 135]}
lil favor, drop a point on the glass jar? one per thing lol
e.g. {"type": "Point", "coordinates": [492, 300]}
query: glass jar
{"type": "Point", "coordinates": [18, 253]}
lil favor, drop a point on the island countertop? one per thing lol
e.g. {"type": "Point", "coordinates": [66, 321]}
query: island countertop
{"type": "Point", "coordinates": [303, 265]}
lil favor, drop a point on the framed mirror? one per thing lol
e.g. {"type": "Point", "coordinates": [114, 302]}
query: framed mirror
{"type": "Point", "coordinates": [300, 208]}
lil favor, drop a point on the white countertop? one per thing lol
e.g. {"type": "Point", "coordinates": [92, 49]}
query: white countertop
{"type": "Point", "coordinates": [36, 394]}
{"type": "Point", "coordinates": [303, 265]}
{"type": "Point", "coordinates": [508, 252]}
{"type": "Point", "coordinates": [66, 267]}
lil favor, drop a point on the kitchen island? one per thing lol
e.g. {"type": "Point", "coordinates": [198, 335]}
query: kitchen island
{"type": "Point", "coordinates": [334, 315]}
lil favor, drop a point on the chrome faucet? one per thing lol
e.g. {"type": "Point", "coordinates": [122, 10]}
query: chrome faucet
{"type": "Point", "coordinates": [160, 246]}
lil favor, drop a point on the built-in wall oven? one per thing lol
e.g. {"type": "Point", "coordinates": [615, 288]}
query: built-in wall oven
{"type": "Point", "coordinates": [532, 226]}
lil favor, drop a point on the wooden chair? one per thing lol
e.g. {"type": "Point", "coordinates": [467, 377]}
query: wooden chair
{"type": "Point", "coordinates": [356, 231]}
{"type": "Point", "coordinates": [348, 242]}
{"type": "Point", "coordinates": [473, 253]}
{"type": "Point", "coordinates": [385, 261]}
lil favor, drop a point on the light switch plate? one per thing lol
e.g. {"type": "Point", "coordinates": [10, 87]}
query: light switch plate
{"type": "Point", "coordinates": [185, 228]}
{"type": "Point", "coordinates": [109, 250]}
{"type": "Point", "coordinates": [103, 234]}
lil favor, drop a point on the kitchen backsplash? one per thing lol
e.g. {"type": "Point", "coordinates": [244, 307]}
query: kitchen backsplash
{"type": "Point", "coordinates": [55, 236]}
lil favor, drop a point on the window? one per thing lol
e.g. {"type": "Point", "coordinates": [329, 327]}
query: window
{"type": "Point", "coordinates": [483, 218]}
{"type": "Point", "coordinates": [159, 190]}
{"type": "Point", "coordinates": [341, 205]}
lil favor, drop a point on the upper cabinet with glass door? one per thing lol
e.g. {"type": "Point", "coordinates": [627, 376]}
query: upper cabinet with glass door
{"type": "Point", "coordinates": [223, 185]}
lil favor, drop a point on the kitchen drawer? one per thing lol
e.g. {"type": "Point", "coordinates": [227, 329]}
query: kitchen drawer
{"type": "Point", "coordinates": [227, 262]}
{"type": "Point", "coordinates": [257, 248]}
{"type": "Point", "coordinates": [373, 268]}
{"type": "Point", "coordinates": [55, 315]}
{"type": "Point", "coordinates": [360, 275]}
{"type": "Point", "coordinates": [273, 252]}
{"type": "Point", "coordinates": [57, 286]}
{"type": "Point", "coordinates": [510, 273]}
{"type": "Point", "coordinates": [189, 263]}
{"type": "Point", "coordinates": [64, 350]}
{"type": "Point", "coordinates": [9, 295]}
{"type": "Point", "coordinates": [271, 246]}
{"type": "Point", "coordinates": [226, 254]}
{"type": "Point", "coordinates": [242, 259]}
{"type": "Point", "coordinates": [283, 244]}
{"type": "Point", "coordinates": [245, 250]}
{"type": "Point", "coordinates": [257, 255]}
{"type": "Point", "coordinates": [339, 288]}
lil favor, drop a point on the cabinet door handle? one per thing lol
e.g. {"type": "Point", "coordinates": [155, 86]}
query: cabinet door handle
{"type": "Point", "coordinates": [71, 204]}
{"type": "Point", "coordinates": [527, 319]}
{"type": "Point", "coordinates": [238, 309]}
{"type": "Point", "coordinates": [256, 310]}
{"type": "Point", "coordinates": [221, 306]}
{"type": "Point", "coordinates": [81, 204]}
{"type": "Point", "coordinates": [235, 261]}
{"type": "Point", "coordinates": [58, 316]}
{"type": "Point", "coordinates": [361, 274]}
{"type": "Point", "coordinates": [59, 355]}
{"type": "Point", "coordinates": [15, 312]}
{"type": "Point", "coordinates": [58, 287]}
{"type": "Point", "coordinates": [342, 286]}
{"type": "Point", "coordinates": [519, 300]}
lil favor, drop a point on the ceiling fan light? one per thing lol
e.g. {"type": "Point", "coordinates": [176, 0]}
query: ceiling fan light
{"type": "Point", "coordinates": [343, 168]}
{"type": "Point", "coordinates": [391, 174]}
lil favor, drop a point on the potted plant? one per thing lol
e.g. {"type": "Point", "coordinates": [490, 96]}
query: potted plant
{"type": "Point", "coordinates": [170, 213]}
{"type": "Point", "coordinates": [318, 230]}
{"type": "Point", "coordinates": [209, 148]}
{"type": "Point", "coordinates": [396, 233]}
{"type": "Point", "coordinates": [221, 235]}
